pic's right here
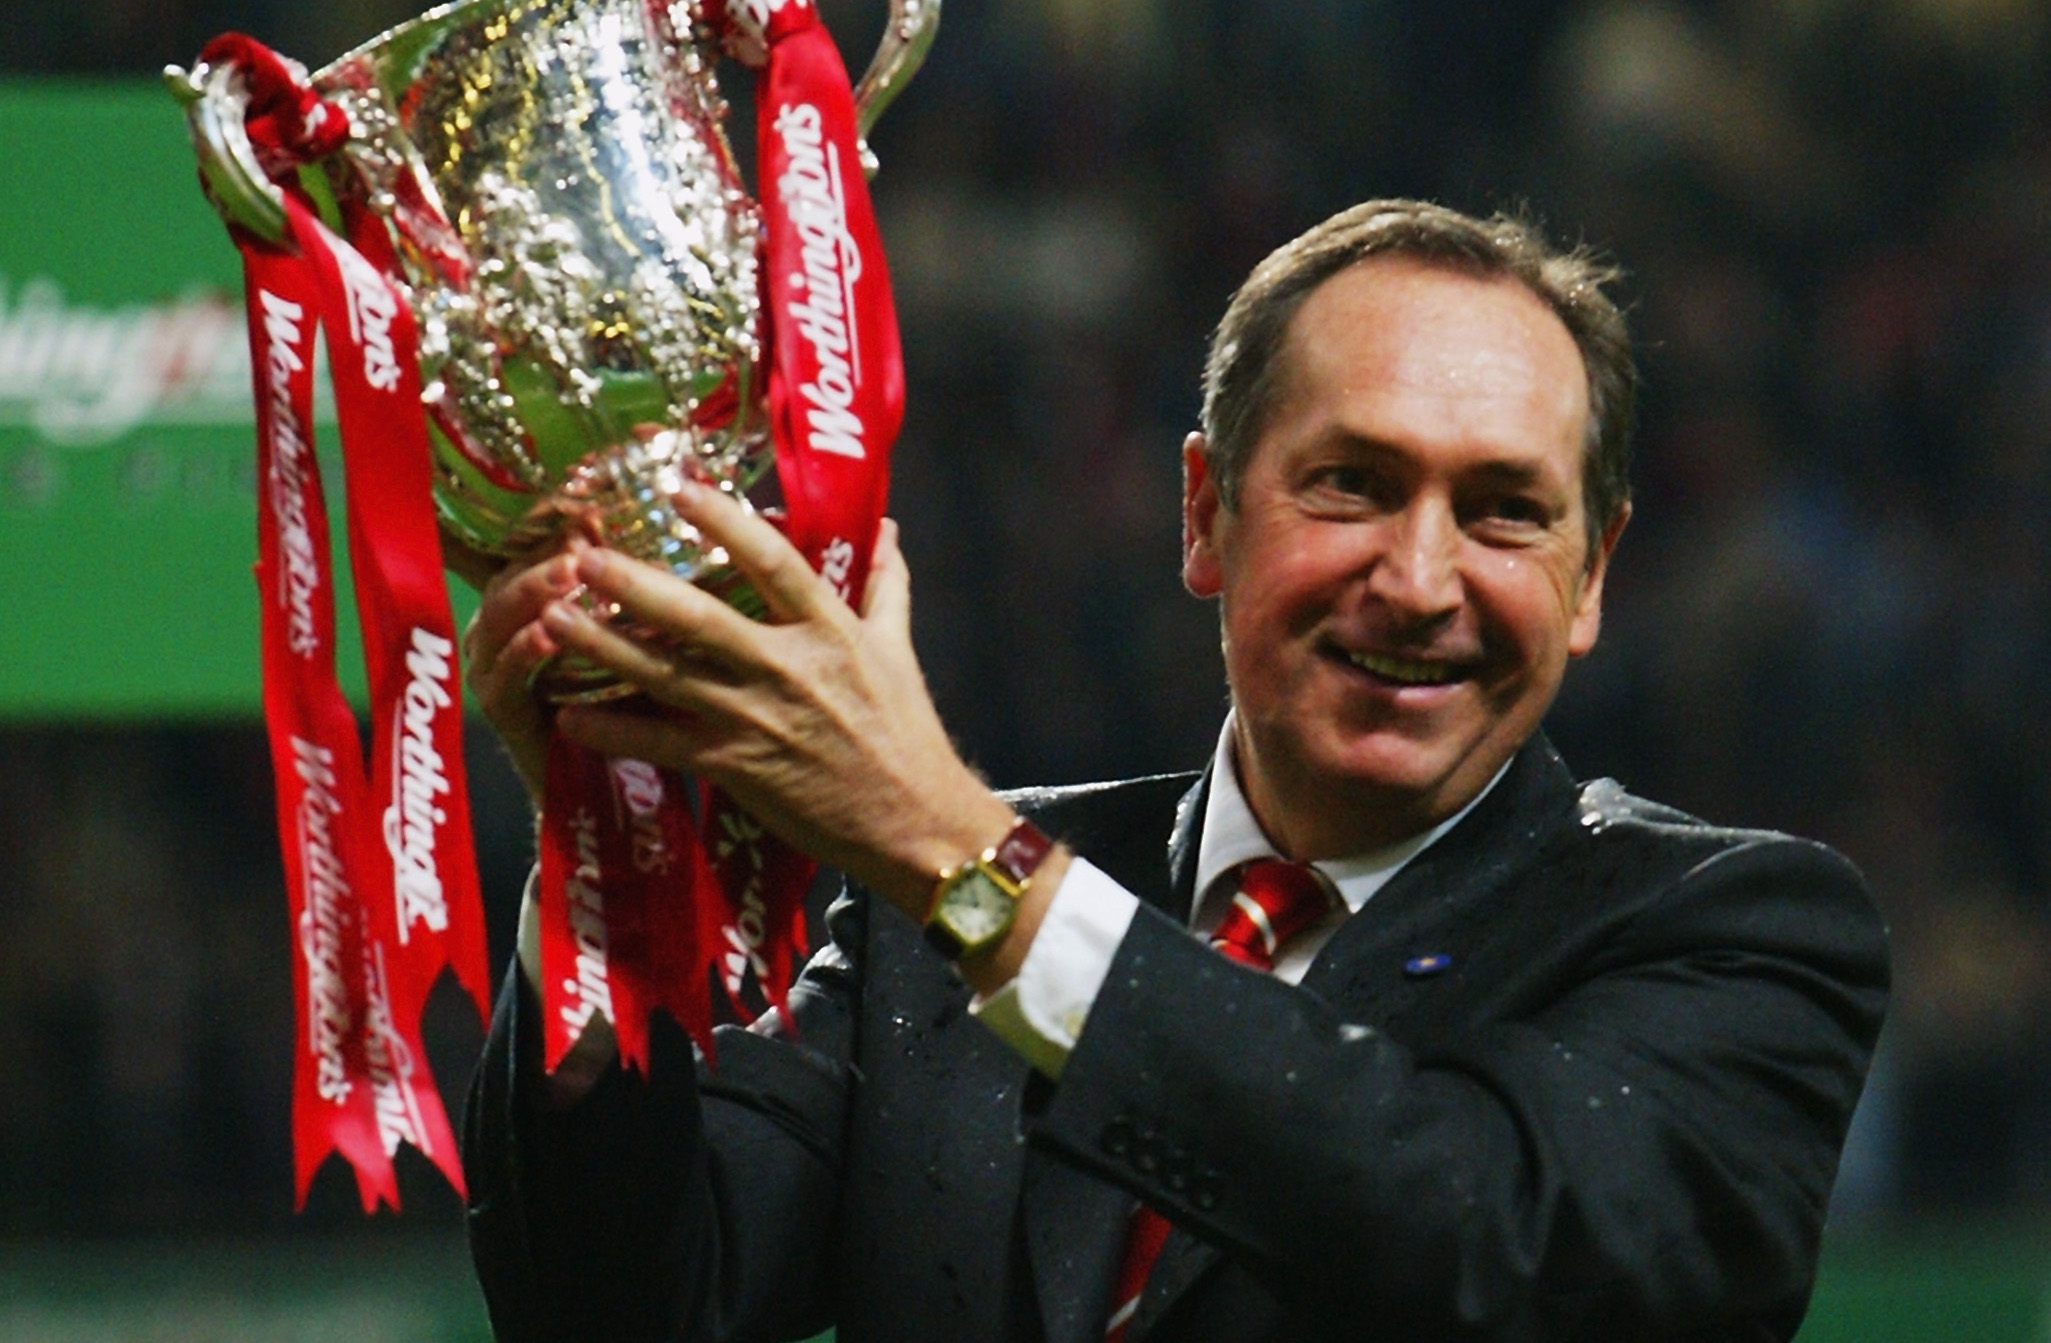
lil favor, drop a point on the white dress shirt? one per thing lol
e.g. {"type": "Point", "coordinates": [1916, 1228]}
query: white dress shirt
{"type": "Point", "coordinates": [1041, 1012]}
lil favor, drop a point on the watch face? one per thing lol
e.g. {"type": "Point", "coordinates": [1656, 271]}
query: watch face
{"type": "Point", "coordinates": [976, 909]}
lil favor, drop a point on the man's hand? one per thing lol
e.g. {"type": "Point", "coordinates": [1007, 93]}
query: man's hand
{"type": "Point", "coordinates": [505, 645]}
{"type": "Point", "coordinates": [816, 719]}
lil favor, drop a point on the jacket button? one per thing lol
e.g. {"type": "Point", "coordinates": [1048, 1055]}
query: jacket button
{"type": "Point", "coordinates": [1206, 1189]}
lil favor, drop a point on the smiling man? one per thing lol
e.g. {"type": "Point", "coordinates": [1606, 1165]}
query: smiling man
{"type": "Point", "coordinates": [1378, 1027]}
{"type": "Point", "coordinates": [1406, 562]}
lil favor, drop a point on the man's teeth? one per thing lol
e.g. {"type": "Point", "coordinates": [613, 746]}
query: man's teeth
{"type": "Point", "coordinates": [1403, 669]}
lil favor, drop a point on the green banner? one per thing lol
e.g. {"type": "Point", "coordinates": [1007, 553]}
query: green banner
{"type": "Point", "coordinates": [127, 442]}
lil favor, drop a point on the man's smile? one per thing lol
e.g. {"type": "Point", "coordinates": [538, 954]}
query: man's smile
{"type": "Point", "coordinates": [1409, 671]}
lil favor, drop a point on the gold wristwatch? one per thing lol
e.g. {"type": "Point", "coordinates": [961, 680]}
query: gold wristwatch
{"type": "Point", "coordinates": [975, 902]}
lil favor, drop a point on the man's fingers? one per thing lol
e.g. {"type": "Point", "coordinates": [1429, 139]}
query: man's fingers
{"type": "Point", "coordinates": [764, 555]}
{"type": "Point", "coordinates": [502, 693]}
{"type": "Point", "coordinates": [887, 598]}
{"type": "Point", "coordinates": [512, 675]}
{"type": "Point", "coordinates": [682, 675]}
{"type": "Point", "coordinates": [514, 599]}
{"type": "Point", "coordinates": [683, 613]}
{"type": "Point", "coordinates": [577, 631]}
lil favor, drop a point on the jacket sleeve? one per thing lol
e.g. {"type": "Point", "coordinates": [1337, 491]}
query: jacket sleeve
{"type": "Point", "coordinates": [694, 1204]}
{"type": "Point", "coordinates": [1641, 1149]}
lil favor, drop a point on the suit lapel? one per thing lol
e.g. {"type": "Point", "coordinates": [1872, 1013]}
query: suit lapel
{"type": "Point", "coordinates": [1422, 904]}
{"type": "Point", "coordinates": [1184, 1258]}
{"type": "Point", "coordinates": [1075, 1224]}
{"type": "Point", "coordinates": [1356, 967]}
{"type": "Point", "coordinates": [1185, 833]}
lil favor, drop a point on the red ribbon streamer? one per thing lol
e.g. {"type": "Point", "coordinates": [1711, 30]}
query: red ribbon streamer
{"type": "Point", "coordinates": [646, 902]}
{"type": "Point", "coordinates": [379, 865]}
{"type": "Point", "coordinates": [725, 911]}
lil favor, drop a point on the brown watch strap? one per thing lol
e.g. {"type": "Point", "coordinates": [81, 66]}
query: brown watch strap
{"type": "Point", "coordinates": [1022, 851]}
{"type": "Point", "coordinates": [1011, 862]}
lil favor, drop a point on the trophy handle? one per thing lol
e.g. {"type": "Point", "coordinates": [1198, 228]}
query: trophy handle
{"type": "Point", "coordinates": [906, 39]}
{"type": "Point", "coordinates": [216, 102]}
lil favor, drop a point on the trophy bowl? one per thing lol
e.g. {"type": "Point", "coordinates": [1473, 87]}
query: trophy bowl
{"type": "Point", "coordinates": [567, 222]}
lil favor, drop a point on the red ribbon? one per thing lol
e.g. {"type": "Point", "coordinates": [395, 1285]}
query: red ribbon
{"type": "Point", "coordinates": [723, 910]}
{"type": "Point", "coordinates": [652, 896]}
{"type": "Point", "coordinates": [836, 395]}
{"type": "Point", "coordinates": [379, 865]}
{"type": "Point", "coordinates": [623, 918]}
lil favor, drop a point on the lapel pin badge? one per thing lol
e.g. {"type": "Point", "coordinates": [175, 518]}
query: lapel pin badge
{"type": "Point", "coordinates": [1419, 967]}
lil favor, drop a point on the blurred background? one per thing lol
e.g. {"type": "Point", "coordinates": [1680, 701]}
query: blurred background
{"type": "Point", "coordinates": [1830, 615]}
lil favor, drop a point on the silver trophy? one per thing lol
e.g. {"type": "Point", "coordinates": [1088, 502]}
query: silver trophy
{"type": "Point", "coordinates": [575, 240]}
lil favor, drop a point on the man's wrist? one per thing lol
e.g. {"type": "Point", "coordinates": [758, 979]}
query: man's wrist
{"type": "Point", "coordinates": [903, 865]}
{"type": "Point", "coordinates": [975, 900]}
{"type": "Point", "coordinates": [907, 870]}
{"type": "Point", "coordinates": [998, 965]}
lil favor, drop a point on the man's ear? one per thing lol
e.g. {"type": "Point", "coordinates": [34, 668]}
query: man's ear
{"type": "Point", "coordinates": [1588, 609]}
{"type": "Point", "coordinates": [1201, 573]}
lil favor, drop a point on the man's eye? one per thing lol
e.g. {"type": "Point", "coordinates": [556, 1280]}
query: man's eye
{"type": "Point", "coordinates": [1513, 511]}
{"type": "Point", "coordinates": [1521, 508]}
{"type": "Point", "coordinates": [1350, 481]}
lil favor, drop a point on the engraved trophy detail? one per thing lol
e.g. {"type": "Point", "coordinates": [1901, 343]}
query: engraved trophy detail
{"type": "Point", "coordinates": [520, 229]}
{"type": "Point", "coordinates": [570, 229]}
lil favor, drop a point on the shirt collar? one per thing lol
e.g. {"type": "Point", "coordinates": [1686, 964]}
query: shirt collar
{"type": "Point", "coordinates": [1231, 836]}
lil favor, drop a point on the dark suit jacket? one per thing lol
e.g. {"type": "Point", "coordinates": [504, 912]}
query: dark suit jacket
{"type": "Point", "coordinates": [1614, 1114]}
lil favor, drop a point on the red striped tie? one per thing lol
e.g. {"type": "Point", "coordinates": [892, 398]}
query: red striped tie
{"type": "Point", "coordinates": [1275, 902]}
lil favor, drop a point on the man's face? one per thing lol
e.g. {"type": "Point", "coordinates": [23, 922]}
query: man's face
{"type": "Point", "coordinates": [1406, 572]}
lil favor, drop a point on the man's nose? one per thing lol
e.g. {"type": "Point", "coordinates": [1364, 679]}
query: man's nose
{"type": "Point", "coordinates": [1417, 571]}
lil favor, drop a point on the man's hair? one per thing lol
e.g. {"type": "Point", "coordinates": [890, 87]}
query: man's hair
{"type": "Point", "coordinates": [1244, 368]}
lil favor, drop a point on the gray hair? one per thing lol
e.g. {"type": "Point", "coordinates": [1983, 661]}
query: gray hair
{"type": "Point", "coordinates": [1242, 371]}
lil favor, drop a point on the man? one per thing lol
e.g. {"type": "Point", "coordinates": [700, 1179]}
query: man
{"type": "Point", "coordinates": [1540, 1061]}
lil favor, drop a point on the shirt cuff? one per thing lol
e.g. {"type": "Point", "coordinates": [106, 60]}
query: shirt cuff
{"type": "Point", "coordinates": [1041, 1012]}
